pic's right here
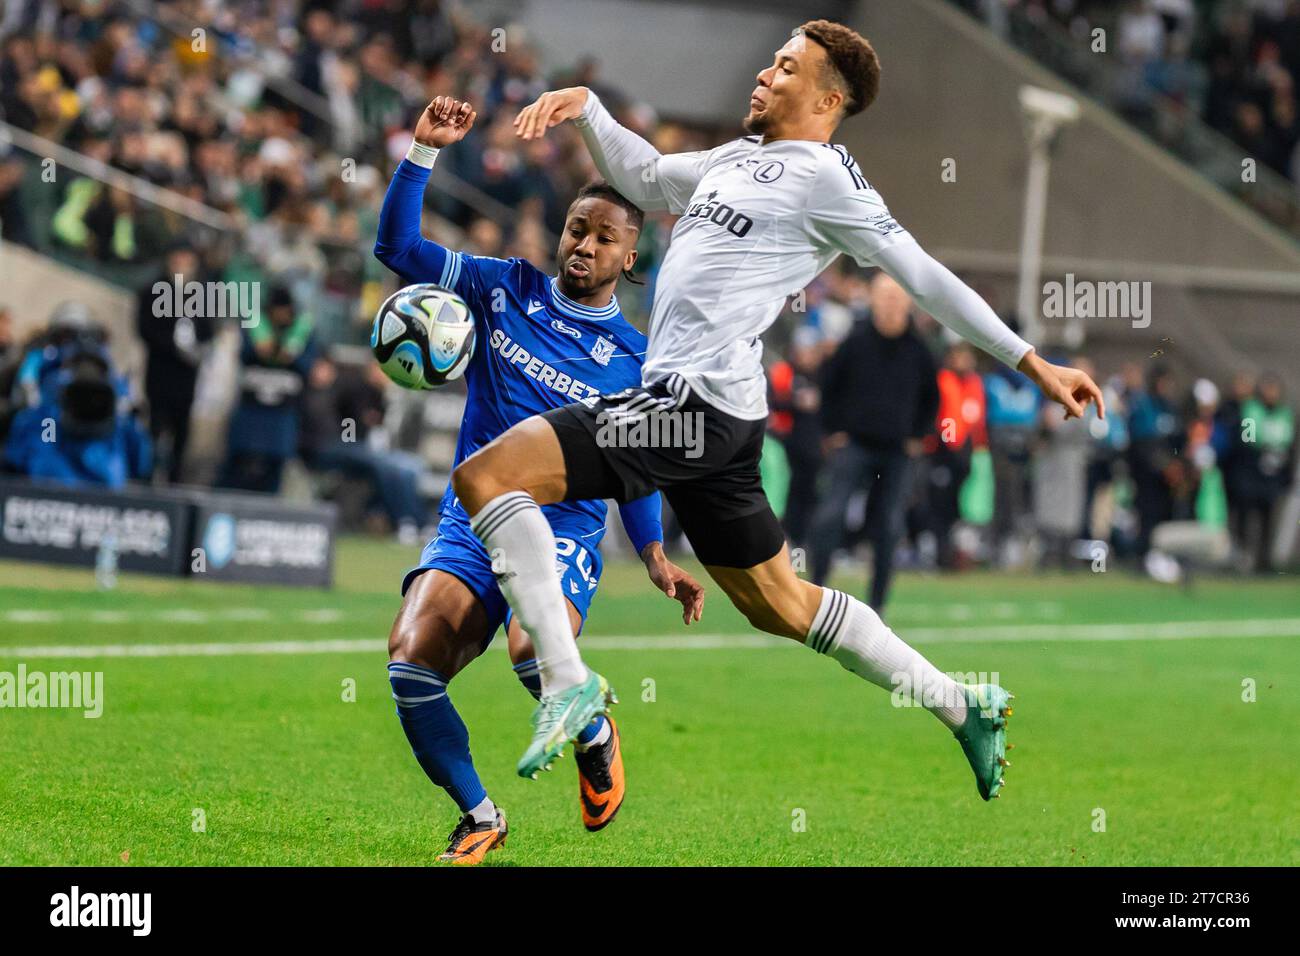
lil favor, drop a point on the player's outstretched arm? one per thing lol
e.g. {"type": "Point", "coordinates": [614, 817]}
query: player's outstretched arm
{"type": "Point", "coordinates": [399, 245]}
{"type": "Point", "coordinates": [629, 163]}
{"type": "Point", "coordinates": [963, 310]}
{"type": "Point", "coordinates": [851, 217]}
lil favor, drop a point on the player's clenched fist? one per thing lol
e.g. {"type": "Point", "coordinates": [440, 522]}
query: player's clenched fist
{"type": "Point", "coordinates": [550, 109]}
{"type": "Point", "coordinates": [444, 121]}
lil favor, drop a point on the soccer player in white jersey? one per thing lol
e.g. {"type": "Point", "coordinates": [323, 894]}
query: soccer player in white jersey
{"type": "Point", "coordinates": [760, 217]}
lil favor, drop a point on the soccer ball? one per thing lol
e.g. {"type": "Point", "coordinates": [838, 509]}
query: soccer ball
{"type": "Point", "coordinates": [423, 336]}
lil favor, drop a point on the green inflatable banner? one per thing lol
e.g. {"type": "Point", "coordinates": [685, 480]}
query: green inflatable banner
{"type": "Point", "coordinates": [1212, 500]}
{"type": "Point", "coordinates": [976, 496]}
{"type": "Point", "coordinates": [774, 472]}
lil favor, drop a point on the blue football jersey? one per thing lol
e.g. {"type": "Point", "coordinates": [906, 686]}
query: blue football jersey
{"type": "Point", "coordinates": [537, 349]}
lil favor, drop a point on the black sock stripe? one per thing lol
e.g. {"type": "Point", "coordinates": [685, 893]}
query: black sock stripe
{"type": "Point", "coordinates": [819, 639]}
{"type": "Point", "coordinates": [489, 524]}
{"type": "Point", "coordinates": [834, 618]}
{"type": "Point", "coordinates": [494, 523]}
{"type": "Point", "coordinates": [487, 518]}
{"type": "Point", "coordinates": [840, 620]}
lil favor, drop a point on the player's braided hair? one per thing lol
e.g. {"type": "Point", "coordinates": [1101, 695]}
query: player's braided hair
{"type": "Point", "coordinates": [850, 60]}
{"type": "Point", "coordinates": [599, 189]}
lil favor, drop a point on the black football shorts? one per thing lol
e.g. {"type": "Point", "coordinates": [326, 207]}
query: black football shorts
{"type": "Point", "coordinates": [627, 444]}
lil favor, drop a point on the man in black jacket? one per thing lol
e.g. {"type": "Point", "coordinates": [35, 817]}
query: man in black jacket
{"type": "Point", "coordinates": [879, 399]}
{"type": "Point", "coordinates": [174, 344]}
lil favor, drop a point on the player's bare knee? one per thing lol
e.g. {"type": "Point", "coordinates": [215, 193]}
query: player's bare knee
{"type": "Point", "coordinates": [476, 482]}
{"type": "Point", "coordinates": [406, 642]}
{"type": "Point", "coordinates": [428, 640]}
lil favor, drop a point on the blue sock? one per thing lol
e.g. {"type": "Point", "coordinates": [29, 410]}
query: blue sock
{"type": "Point", "coordinates": [437, 734]}
{"type": "Point", "coordinates": [531, 678]}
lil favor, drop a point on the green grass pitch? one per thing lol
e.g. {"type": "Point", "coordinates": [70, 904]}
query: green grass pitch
{"type": "Point", "coordinates": [1134, 743]}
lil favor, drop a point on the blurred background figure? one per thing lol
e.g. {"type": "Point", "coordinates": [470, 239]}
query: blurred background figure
{"type": "Point", "coordinates": [8, 344]}
{"type": "Point", "coordinates": [873, 432]}
{"type": "Point", "coordinates": [276, 356]}
{"type": "Point", "coordinates": [80, 429]}
{"type": "Point", "coordinates": [174, 347]}
{"type": "Point", "coordinates": [1013, 414]}
{"type": "Point", "coordinates": [1156, 438]}
{"type": "Point", "coordinates": [794, 400]}
{"type": "Point", "coordinates": [1267, 451]}
{"type": "Point", "coordinates": [1236, 463]}
{"type": "Point", "coordinates": [1060, 478]}
{"type": "Point", "coordinates": [342, 430]}
{"type": "Point", "coordinates": [960, 430]}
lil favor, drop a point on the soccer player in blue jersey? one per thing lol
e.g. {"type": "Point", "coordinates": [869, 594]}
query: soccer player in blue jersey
{"type": "Point", "coordinates": [543, 342]}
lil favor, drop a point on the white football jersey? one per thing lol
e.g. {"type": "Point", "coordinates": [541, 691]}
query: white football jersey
{"type": "Point", "coordinates": [758, 223]}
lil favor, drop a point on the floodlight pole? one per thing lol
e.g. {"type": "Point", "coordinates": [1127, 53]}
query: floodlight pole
{"type": "Point", "coordinates": [1045, 113]}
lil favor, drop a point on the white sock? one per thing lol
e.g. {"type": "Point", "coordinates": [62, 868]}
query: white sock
{"type": "Point", "coordinates": [521, 545]}
{"type": "Point", "coordinates": [485, 812]}
{"type": "Point", "coordinates": [853, 634]}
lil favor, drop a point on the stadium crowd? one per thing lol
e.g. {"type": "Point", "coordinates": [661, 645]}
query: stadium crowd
{"type": "Point", "coordinates": [950, 458]}
{"type": "Point", "coordinates": [1233, 63]}
{"type": "Point", "coordinates": [287, 118]}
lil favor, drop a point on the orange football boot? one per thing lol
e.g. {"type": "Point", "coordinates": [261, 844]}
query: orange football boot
{"type": "Point", "coordinates": [471, 841]}
{"type": "Point", "coordinates": [600, 780]}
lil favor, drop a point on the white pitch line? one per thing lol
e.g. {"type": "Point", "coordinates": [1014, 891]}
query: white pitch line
{"type": "Point", "coordinates": [178, 615]}
{"type": "Point", "coordinates": [1034, 633]}
{"type": "Point", "coordinates": [909, 614]}
{"type": "Point", "coordinates": [226, 649]}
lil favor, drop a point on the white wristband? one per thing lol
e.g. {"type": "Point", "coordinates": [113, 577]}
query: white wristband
{"type": "Point", "coordinates": [422, 155]}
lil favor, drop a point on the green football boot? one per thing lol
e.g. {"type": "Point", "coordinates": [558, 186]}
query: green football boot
{"type": "Point", "coordinates": [559, 718]}
{"type": "Point", "coordinates": [983, 737]}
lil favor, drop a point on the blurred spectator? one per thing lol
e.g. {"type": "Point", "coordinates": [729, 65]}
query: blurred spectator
{"type": "Point", "coordinates": [1060, 480]}
{"type": "Point", "coordinates": [10, 356]}
{"type": "Point", "coordinates": [174, 346]}
{"type": "Point", "coordinates": [874, 432]}
{"type": "Point", "coordinates": [1014, 405]}
{"type": "Point", "coordinates": [795, 419]}
{"type": "Point", "coordinates": [107, 223]}
{"type": "Point", "coordinates": [1155, 431]}
{"type": "Point", "coordinates": [8, 344]}
{"type": "Point", "coordinates": [961, 429]}
{"type": "Point", "coordinates": [13, 217]}
{"type": "Point", "coordinates": [81, 431]}
{"type": "Point", "coordinates": [276, 357]}
{"type": "Point", "coordinates": [1268, 447]}
{"type": "Point", "coordinates": [1106, 469]}
{"type": "Point", "coordinates": [343, 415]}
{"type": "Point", "coordinates": [484, 238]}
{"type": "Point", "coordinates": [1234, 461]}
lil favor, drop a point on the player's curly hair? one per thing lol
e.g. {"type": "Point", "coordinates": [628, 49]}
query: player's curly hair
{"type": "Point", "coordinates": [851, 62]}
